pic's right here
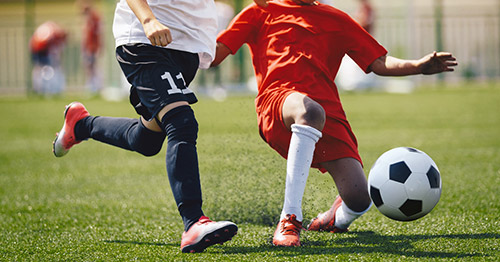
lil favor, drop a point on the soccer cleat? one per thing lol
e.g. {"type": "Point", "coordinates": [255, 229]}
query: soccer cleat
{"type": "Point", "coordinates": [326, 221]}
{"type": "Point", "coordinates": [287, 233]}
{"type": "Point", "coordinates": [205, 233]}
{"type": "Point", "coordinates": [65, 139]}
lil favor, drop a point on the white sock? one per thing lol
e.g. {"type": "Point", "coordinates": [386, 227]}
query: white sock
{"type": "Point", "coordinates": [300, 155]}
{"type": "Point", "coordinates": [345, 216]}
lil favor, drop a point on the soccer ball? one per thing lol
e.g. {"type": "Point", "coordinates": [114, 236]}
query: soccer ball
{"type": "Point", "coordinates": [404, 184]}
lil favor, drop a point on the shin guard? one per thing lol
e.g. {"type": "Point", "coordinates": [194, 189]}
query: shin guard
{"type": "Point", "coordinates": [181, 128]}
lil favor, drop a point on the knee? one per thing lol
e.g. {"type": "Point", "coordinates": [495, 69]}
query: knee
{"type": "Point", "coordinates": [148, 142]}
{"type": "Point", "coordinates": [180, 125]}
{"type": "Point", "coordinates": [313, 115]}
{"type": "Point", "coordinates": [301, 109]}
{"type": "Point", "coordinates": [149, 151]}
{"type": "Point", "coordinates": [151, 148]}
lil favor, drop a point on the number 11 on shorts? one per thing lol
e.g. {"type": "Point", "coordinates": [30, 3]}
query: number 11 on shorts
{"type": "Point", "coordinates": [175, 89]}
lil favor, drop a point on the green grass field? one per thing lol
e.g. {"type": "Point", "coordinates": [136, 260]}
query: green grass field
{"type": "Point", "coordinates": [100, 203]}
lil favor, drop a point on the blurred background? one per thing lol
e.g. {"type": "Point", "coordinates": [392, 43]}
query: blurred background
{"type": "Point", "coordinates": [83, 62]}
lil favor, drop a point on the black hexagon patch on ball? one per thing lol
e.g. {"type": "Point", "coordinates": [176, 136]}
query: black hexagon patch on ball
{"type": "Point", "coordinates": [411, 207]}
{"type": "Point", "coordinates": [399, 172]}
{"type": "Point", "coordinates": [433, 176]}
{"type": "Point", "coordinates": [376, 197]}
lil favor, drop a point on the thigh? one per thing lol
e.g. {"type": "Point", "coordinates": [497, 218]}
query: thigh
{"type": "Point", "coordinates": [351, 182]}
{"type": "Point", "coordinates": [151, 125]}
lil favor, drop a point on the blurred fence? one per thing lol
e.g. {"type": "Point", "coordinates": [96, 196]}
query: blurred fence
{"type": "Point", "coordinates": [473, 37]}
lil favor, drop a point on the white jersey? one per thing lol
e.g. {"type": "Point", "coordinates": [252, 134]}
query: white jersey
{"type": "Point", "coordinates": [192, 23]}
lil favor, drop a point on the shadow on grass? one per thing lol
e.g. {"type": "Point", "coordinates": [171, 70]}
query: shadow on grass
{"type": "Point", "coordinates": [129, 242]}
{"type": "Point", "coordinates": [362, 242]}
{"type": "Point", "coordinates": [367, 242]}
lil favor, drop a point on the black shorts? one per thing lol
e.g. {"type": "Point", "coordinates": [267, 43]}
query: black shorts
{"type": "Point", "coordinates": [158, 76]}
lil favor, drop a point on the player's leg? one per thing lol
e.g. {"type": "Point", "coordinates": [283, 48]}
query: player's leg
{"type": "Point", "coordinates": [127, 133]}
{"type": "Point", "coordinates": [161, 78]}
{"type": "Point", "coordinates": [181, 128]}
{"type": "Point", "coordinates": [163, 90]}
{"type": "Point", "coordinates": [179, 123]}
{"type": "Point", "coordinates": [159, 93]}
{"type": "Point", "coordinates": [305, 118]}
{"type": "Point", "coordinates": [353, 201]}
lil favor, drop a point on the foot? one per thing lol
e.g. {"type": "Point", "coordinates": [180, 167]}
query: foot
{"type": "Point", "coordinates": [205, 233]}
{"type": "Point", "coordinates": [326, 221]}
{"type": "Point", "coordinates": [65, 139]}
{"type": "Point", "coordinates": [287, 233]}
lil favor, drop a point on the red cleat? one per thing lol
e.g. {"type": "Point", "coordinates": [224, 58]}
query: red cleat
{"type": "Point", "coordinates": [205, 233]}
{"type": "Point", "coordinates": [287, 233]}
{"type": "Point", "coordinates": [326, 221]}
{"type": "Point", "coordinates": [65, 139]}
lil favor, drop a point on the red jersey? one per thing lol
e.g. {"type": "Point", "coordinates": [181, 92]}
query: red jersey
{"type": "Point", "coordinates": [92, 32]}
{"type": "Point", "coordinates": [300, 48]}
{"type": "Point", "coordinates": [47, 36]}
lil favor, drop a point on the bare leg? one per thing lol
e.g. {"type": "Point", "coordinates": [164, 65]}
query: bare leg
{"type": "Point", "coordinates": [153, 125]}
{"type": "Point", "coordinates": [350, 179]}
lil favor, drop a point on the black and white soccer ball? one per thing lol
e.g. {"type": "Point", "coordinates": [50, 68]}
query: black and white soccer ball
{"type": "Point", "coordinates": [404, 184]}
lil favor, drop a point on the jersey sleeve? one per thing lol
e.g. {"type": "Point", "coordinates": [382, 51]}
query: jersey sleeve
{"type": "Point", "coordinates": [242, 29]}
{"type": "Point", "coordinates": [362, 47]}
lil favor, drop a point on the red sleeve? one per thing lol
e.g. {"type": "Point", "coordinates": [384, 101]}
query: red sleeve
{"type": "Point", "coordinates": [362, 47]}
{"type": "Point", "coordinates": [242, 29]}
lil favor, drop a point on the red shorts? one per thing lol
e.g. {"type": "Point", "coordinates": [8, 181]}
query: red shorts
{"type": "Point", "coordinates": [338, 140]}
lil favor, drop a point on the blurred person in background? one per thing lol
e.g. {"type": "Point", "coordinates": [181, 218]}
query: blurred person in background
{"type": "Point", "coordinates": [91, 46]}
{"type": "Point", "coordinates": [350, 76]}
{"type": "Point", "coordinates": [365, 15]}
{"type": "Point", "coordinates": [46, 47]}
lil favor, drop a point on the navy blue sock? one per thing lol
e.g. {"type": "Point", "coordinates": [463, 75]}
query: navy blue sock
{"type": "Point", "coordinates": [126, 133]}
{"type": "Point", "coordinates": [182, 162]}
